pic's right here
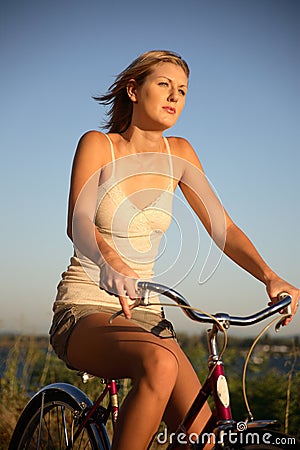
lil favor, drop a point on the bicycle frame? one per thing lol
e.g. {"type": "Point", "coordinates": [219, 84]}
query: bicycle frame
{"type": "Point", "coordinates": [221, 420]}
{"type": "Point", "coordinates": [215, 385]}
{"type": "Point", "coordinates": [103, 414]}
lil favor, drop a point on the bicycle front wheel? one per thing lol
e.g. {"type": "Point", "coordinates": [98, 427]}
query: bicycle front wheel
{"type": "Point", "coordinates": [51, 418]}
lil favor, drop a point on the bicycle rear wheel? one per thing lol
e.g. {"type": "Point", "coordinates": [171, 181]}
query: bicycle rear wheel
{"type": "Point", "coordinates": [51, 418]}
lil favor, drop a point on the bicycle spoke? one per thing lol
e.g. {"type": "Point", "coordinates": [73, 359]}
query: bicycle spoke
{"type": "Point", "coordinates": [46, 437]}
{"type": "Point", "coordinates": [55, 431]}
{"type": "Point", "coordinates": [64, 422]}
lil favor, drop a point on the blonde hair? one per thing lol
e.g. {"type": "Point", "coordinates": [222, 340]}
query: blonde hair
{"type": "Point", "coordinates": [120, 109]}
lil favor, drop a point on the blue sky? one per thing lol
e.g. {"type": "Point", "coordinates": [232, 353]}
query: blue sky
{"type": "Point", "coordinates": [242, 117]}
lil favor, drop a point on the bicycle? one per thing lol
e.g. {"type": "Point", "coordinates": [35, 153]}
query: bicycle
{"type": "Point", "coordinates": [61, 416]}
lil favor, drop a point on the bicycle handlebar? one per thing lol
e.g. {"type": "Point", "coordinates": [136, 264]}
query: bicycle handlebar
{"type": "Point", "coordinates": [145, 287]}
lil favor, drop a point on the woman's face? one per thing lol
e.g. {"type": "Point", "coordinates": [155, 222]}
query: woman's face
{"type": "Point", "coordinates": [158, 102]}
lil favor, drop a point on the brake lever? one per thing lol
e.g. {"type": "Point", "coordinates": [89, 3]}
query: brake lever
{"type": "Point", "coordinates": [143, 300]}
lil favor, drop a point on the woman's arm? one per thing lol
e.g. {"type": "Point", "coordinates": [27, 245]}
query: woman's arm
{"type": "Point", "coordinates": [92, 154]}
{"type": "Point", "coordinates": [241, 250]}
{"type": "Point", "coordinates": [227, 235]}
{"type": "Point", "coordinates": [90, 157]}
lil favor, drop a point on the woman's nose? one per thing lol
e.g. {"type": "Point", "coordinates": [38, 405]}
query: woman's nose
{"type": "Point", "coordinates": [173, 95]}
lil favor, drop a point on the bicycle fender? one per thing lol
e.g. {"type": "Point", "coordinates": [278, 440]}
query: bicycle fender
{"type": "Point", "coordinates": [75, 396]}
{"type": "Point", "coordinates": [74, 392]}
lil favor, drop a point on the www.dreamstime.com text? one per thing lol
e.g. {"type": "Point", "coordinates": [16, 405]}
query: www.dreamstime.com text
{"type": "Point", "coordinates": [229, 437]}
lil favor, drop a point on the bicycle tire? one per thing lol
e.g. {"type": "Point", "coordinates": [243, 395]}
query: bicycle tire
{"type": "Point", "coordinates": [50, 419]}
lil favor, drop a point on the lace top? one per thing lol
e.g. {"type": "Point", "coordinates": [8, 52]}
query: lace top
{"type": "Point", "coordinates": [133, 224]}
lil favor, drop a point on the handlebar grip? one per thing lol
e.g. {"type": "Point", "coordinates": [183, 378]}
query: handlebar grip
{"type": "Point", "coordinates": [288, 308]}
{"type": "Point", "coordinates": [286, 311]}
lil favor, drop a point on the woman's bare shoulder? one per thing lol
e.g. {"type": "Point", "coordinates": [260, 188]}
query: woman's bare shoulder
{"type": "Point", "coordinates": [182, 148]}
{"type": "Point", "coordinates": [95, 146]}
{"type": "Point", "coordinates": [92, 138]}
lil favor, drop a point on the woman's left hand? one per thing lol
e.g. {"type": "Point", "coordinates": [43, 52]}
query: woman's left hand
{"type": "Point", "coordinates": [275, 287]}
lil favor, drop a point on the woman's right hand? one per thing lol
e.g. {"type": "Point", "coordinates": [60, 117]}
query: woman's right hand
{"type": "Point", "coordinates": [117, 278]}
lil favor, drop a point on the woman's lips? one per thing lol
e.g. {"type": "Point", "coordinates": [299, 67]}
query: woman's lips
{"type": "Point", "coordinates": [169, 109]}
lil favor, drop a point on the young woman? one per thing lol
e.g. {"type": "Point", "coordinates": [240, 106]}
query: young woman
{"type": "Point", "coordinates": [120, 204]}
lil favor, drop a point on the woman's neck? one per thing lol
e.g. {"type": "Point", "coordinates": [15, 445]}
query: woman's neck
{"type": "Point", "coordinates": [143, 140]}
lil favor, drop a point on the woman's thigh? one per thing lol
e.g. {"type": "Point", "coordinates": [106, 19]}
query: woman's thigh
{"type": "Point", "coordinates": [124, 350]}
{"type": "Point", "coordinates": [117, 350]}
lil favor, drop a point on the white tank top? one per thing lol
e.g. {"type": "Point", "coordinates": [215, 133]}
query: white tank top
{"type": "Point", "coordinates": [132, 225]}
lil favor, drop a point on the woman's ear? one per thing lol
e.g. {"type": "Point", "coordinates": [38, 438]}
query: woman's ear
{"type": "Point", "coordinates": [131, 90]}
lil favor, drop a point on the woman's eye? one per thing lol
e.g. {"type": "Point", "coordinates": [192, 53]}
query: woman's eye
{"type": "Point", "coordinates": [163, 83]}
{"type": "Point", "coordinates": [181, 92]}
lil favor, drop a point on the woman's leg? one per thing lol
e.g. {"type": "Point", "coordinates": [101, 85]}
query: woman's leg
{"type": "Point", "coordinates": [184, 392]}
{"type": "Point", "coordinates": [162, 377]}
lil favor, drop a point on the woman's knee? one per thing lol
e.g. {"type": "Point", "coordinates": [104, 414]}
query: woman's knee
{"type": "Point", "coordinates": [159, 371]}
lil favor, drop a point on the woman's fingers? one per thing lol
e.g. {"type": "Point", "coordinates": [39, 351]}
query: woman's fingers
{"type": "Point", "coordinates": [294, 293]}
{"type": "Point", "coordinates": [130, 287]}
{"type": "Point", "coordinates": [125, 307]}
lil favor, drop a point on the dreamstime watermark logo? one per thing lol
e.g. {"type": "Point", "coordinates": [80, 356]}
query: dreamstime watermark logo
{"type": "Point", "coordinates": [240, 436]}
{"type": "Point", "coordinates": [241, 426]}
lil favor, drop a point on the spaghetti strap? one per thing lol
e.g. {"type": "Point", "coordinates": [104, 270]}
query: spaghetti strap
{"type": "Point", "coordinates": [111, 148]}
{"type": "Point", "coordinates": [167, 145]}
{"type": "Point", "coordinates": [170, 161]}
{"type": "Point", "coordinates": [113, 159]}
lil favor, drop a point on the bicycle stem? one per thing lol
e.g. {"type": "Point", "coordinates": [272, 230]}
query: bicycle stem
{"type": "Point", "coordinates": [218, 382]}
{"type": "Point", "coordinates": [212, 334]}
